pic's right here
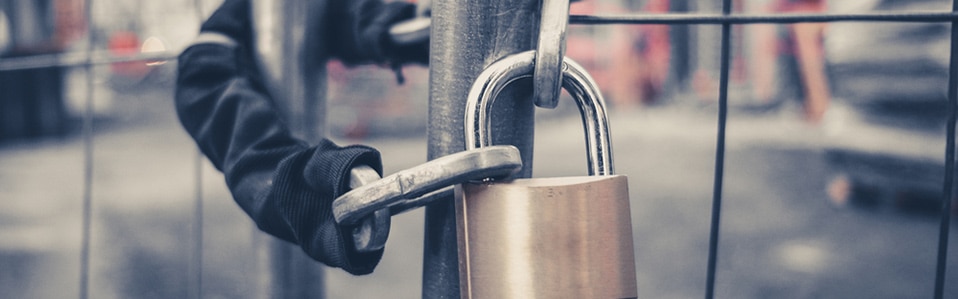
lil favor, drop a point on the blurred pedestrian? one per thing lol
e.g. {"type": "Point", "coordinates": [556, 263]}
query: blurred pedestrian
{"type": "Point", "coordinates": [800, 47]}
{"type": "Point", "coordinates": [806, 47]}
{"type": "Point", "coordinates": [285, 185]}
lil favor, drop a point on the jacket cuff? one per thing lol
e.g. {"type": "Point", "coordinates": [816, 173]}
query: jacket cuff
{"type": "Point", "coordinates": [215, 38]}
{"type": "Point", "coordinates": [328, 172]}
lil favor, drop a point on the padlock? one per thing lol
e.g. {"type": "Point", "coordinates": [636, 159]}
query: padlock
{"type": "Point", "coordinates": [564, 237]}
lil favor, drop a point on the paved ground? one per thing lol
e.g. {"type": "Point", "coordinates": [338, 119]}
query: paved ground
{"type": "Point", "coordinates": [780, 236]}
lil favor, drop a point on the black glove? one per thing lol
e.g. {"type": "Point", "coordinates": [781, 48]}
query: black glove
{"type": "Point", "coordinates": [304, 187]}
{"type": "Point", "coordinates": [418, 52]}
{"type": "Point", "coordinates": [359, 32]}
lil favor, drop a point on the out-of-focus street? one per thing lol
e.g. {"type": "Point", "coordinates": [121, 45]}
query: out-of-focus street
{"type": "Point", "coordinates": [781, 237]}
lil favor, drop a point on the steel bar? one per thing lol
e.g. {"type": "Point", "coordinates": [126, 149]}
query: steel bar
{"type": "Point", "coordinates": [948, 186]}
{"type": "Point", "coordinates": [697, 18]}
{"type": "Point", "coordinates": [466, 36]}
{"type": "Point", "coordinates": [79, 59]}
{"type": "Point", "coordinates": [292, 59]}
{"type": "Point", "coordinates": [297, 82]}
{"type": "Point", "coordinates": [680, 55]}
{"type": "Point", "coordinates": [196, 264]}
{"type": "Point", "coordinates": [87, 209]}
{"type": "Point", "coordinates": [719, 153]}
{"type": "Point", "coordinates": [197, 257]}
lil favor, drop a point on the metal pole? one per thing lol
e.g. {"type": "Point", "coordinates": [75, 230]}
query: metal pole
{"type": "Point", "coordinates": [680, 56]}
{"type": "Point", "coordinates": [719, 153]}
{"type": "Point", "coordinates": [296, 75]}
{"type": "Point", "coordinates": [298, 83]}
{"type": "Point", "coordinates": [88, 131]}
{"type": "Point", "coordinates": [468, 35]}
{"type": "Point", "coordinates": [949, 187]}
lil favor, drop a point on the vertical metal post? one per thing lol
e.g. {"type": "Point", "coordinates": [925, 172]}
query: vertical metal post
{"type": "Point", "coordinates": [680, 58]}
{"type": "Point", "coordinates": [948, 191]}
{"type": "Point", "coordinates": [195, 288]}
{"type": "Point", "coordinates": [719, 152]}
{"type": "Point", "coordinates": [298, 83]}
{"type": "Point", "coordinates": [196, 263]}
{"type": "Point", "coordinates": [87, 210]}
{"type": "Point", "coordinates": [468, 35]}
{"type": "Point", "coordinates": [296, 75]}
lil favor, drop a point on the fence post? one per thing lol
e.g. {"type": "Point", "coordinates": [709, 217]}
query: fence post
{"type": "Point", "coordinates": [468, 35]}
{"type": "Point", "coordinates": [298, 83]}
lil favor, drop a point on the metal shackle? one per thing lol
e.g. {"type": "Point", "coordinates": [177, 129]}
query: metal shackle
{"type": "Point", "coordinates": [575, 80]}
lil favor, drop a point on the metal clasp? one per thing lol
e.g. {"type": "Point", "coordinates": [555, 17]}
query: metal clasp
{"type": "Point", "coordinates": [371, 203]}
{"type": "Point", "coordinates": [550, 50]}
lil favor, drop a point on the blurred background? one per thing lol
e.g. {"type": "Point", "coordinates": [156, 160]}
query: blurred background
{"type": "Point", "coordinates": [833, 170]}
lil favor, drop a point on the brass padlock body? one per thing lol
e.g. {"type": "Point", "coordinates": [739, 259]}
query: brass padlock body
{"type": "Point", "coordinates": [566, 237]}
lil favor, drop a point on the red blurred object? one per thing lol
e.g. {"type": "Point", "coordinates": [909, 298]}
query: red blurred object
{"type": "Point", "coordinates": [127, 44]}
{"type": "Point", "coordinates": [630, 63]}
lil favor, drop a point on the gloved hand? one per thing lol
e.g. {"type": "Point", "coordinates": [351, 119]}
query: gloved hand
{"type": "Point", "coordinates": [417, 52]}
{"type": "Point", "coordinates": [285, 185]}
{"type": "Point", "coordinates": [359, 30]}
{"type": "Point", "coordinates": [303, 189]}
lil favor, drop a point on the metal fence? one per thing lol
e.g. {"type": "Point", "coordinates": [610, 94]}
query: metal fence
{"type": "Point", "coordinates": [90, 57]}
{"type": "Point", "coordinates": [727, 20]}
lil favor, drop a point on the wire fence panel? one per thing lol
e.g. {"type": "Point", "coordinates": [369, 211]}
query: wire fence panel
{"type": "Point", "coordinates": [127, 233]}
{"type": "Point", "coordinates": [151, 239]}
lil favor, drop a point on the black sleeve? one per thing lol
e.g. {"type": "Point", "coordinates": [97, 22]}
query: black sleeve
{"type": "Point", "coordinates": [285, 185]}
